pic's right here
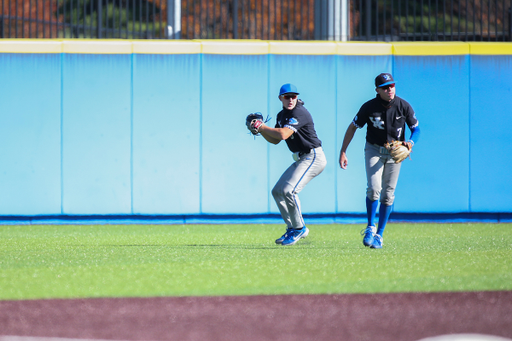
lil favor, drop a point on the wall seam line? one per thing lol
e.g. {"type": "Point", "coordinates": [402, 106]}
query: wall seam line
{"type": "Point", "coordinates": [201, 61]}
{"type": "Point", "coordinates": [268, 144]}
{"type": "Point", "coordinates": [131, 130]}
{"type": "Point", "coordinates": [62, 133]}
{"type": "Point", "coordinates": [336, 172]}
{"type": "Point", "coordinates": [469, 133]}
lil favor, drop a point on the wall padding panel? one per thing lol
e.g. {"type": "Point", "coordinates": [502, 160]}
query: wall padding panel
{"type": "Point", "coordinates": [96, 136]}
{"type": "Point", "coordinates": [166, 134]}
{"type": "Point", "coordinates": [30, 134]}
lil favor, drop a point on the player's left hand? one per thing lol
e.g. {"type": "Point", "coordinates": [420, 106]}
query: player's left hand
{"type": "Point", "coordinates": [398, 150]}
{"type": "Point", "coordinates": [254, 122]}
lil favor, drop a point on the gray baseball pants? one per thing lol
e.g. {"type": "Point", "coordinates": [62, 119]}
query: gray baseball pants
{"type": "Point", "coordinates": [381, 174]}
{"type": "Point", "coordinates": [293, 180]}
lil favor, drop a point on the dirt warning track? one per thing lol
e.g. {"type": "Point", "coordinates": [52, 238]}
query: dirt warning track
{"type": "Point", "coordinates": [376, 317]}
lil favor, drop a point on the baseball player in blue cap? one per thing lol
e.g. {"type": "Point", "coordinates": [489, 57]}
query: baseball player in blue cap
{"type": "Point", "coordinates": [386, 117]}
{"type": "Point", "coordinates": [295, 126]}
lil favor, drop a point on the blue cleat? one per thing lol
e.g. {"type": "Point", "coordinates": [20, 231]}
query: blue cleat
{"type": "Point", "coordinates": [377, 242]}
{"type": "Point", "coordinates": [368, 234]}
{"type": "Point", "coordinates": [295, 235]}
{"type": "Point", "coordinates": [283, 237]}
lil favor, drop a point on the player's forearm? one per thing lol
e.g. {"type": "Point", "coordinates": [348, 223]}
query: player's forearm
{"type": "Point", "coordinates": [274, 135]}
{"type": "Point", "coordinates": [415, 135]}
{"type": "Point", "coordinates": [349, 135]}
{"type": "Point", "coordinates": [270, 139]}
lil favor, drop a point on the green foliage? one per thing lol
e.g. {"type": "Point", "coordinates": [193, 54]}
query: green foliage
{"type": "Point", "coordinates": [66, 261]}
{"type": "Point", "coordinates": [141, 19]}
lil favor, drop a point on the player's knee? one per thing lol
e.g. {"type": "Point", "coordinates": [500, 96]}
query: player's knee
{"type": "Point", "coordinates": [279, 191]}
{"type": "Point", "coordinates": [388, 200]}
{"type": "Point", "coordinates": [373, 194]}
{"type": "Point", "coordinates": [276, 192]}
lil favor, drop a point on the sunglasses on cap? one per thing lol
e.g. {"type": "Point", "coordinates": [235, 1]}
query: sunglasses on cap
{"type": "Point", "coordinates": [387, 87]}
{"type": "Point", "coordinates": [290, 96]}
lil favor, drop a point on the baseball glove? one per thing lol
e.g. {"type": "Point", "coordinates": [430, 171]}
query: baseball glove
{"type": "Point", "coordinates": [254, 122]}
{"type": "Point", "coordinates": [398, 151]}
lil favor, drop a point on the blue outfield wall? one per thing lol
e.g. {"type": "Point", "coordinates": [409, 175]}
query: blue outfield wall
{"type": "Point", "coordinates": [156, 131]}
{"type": "Point", "coordinates": [30, 134]}
{"type": "Point", "coordinates": [437, 179]}
{"type": "Point", "coordinates": [166, 134]}
{"type": "Point", "coordinates": [96, 134]}
{"type": "Point", "coordinates": [490, 144]}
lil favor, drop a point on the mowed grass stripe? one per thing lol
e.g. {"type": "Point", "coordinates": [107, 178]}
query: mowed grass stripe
{"type": "Point", "coordinates": [75, 261]}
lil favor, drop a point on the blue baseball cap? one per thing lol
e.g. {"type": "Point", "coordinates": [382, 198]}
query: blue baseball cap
{"type": "Point", "coordinates": [384, 79]}
{"type": "Point", "coordinates": [288, 89]}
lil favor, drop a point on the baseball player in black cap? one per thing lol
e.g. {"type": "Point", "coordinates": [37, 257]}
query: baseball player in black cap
{"type": "Point", "coordinates": [386, 117]}
{"type": "Point", "coordinates": [295, 126]}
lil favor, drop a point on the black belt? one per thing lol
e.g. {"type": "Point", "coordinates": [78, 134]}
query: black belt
{"type": "Point", "coordinates": [307, 152]}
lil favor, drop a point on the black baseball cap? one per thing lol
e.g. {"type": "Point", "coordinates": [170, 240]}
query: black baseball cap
{"type": "Point", "coordinates": [384, 79]}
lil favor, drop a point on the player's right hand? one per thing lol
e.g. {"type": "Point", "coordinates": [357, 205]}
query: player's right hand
{"type": "Point", "coordinates": [343, 161]}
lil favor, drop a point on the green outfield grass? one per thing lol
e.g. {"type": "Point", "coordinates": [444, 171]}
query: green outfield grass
{"type": "Point", "coordinates": [66, 261]}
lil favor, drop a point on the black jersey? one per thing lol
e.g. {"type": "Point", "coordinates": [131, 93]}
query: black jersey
{"type": "Point", "coordinates": [386, 121]}
{"type": "Point", "coordinates": [299, 120]}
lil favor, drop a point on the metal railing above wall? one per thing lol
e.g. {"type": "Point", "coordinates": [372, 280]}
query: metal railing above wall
{"type": "Point", "coordinates": [356, 20]}
{"type": "Point", "coordinates": [119, 19]}
{"type": "Point", "coordinates": [431, 20]}
{"type": "Point", "coordinates": [265, 19]}
{"type": "Point", "coordinates": [248, 19]}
